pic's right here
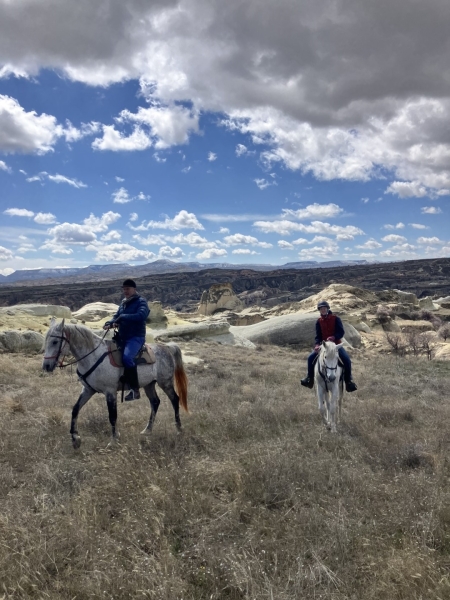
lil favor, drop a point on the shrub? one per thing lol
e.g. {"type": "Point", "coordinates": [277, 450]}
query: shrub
{"type": "Point", "coordinates": [384, 313]}
{"type": "Point", "coordinates": [444, 331]}
{"type": "Point", "coordinates": [397, 343]}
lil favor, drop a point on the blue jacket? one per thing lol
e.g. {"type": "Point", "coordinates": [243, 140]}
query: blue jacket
{"type": "Point", "coordinates": [131, 317]}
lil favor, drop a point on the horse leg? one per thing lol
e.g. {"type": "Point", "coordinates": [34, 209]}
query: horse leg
{"type": "Point", "coordinates": [111, 401]}
{"type": "Point", "coordinates": [150, 391]}
{"type": "Point", "coordinates": [333, 405]}
{"type": "Point", "coordinates": [173, 396]}
{"type": "Point", "coordinates": [322, 407]}
{"type": "Point", "coordinates": [85, 395]}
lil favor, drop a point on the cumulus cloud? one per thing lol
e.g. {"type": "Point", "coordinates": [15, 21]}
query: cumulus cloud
{"type": "Point", "coordinates": [26, 132]}
{"type": "Point", "coordinates": [182, 220]}
{"type": "Point", "coordinates": [393, 238]}
{"type": "Point", "coordinates": [18, 212]}
{"type": "Point", "coordinates": [431, 210]}
{"type": "Point", "coordinates": [168, 252]}
{"type": "Point", "coordinates": [284, 227]}
{"type": "Point", "coordinates": [241, 149]}
{"type": "Point", "coordinates": [5, 253]}
{"type": "Point", "coordinates": [429, 240]}
{"type": "Point", "coordinates": [285, 245]}
{"type": "Point", "coordinates": [4, 167]}
{"type": "Point", "coordinates": [370, 244]}
{"type": "Point", "coordinates": [111, 236]}
{"type": "Point", "coordinates": [244, 251]}
{"type": "Point", "coordinates": [313, 211]}
{"type": "Point", "coordinates": [334, 95]}
{"type": "Point", "coordinates": [121, 253]}
{"type": "Point", "coordinates": [212, 156]}
{"type": "Point", "coordinates": [418, 226]}
{"type": "Point", "coordinates": [44, 218]}
{"type": "Point", "coordinates": [121, 196]}
{"type": "Point", "coordinates": [211, 253]}
{"type": "Point", "coordinates": [398, 226]}
{"type": "Point", "coordinates": [239, 239]}
{"type": "Point", "coordinates": [116, 141]}
{"type": "Point", "coordinates": [82, 233]}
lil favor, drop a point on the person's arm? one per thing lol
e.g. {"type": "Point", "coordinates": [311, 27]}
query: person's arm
{"type": "Point", "coordinates": [338, 329]}
{"type": "Point", "coordinates": [318, 338]}
{"type": "Point", "coordinates": [113, 320]}
{"type": "Point", "coordinates": [141, 313]}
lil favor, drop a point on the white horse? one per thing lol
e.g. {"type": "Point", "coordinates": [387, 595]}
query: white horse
{"type": "Point", "coordinates": [329, 383]}
{"type": "Point", "coordinates": [98, 375]}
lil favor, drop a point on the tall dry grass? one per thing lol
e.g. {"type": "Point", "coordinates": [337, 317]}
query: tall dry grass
{"type": "Point", "coordinates": [256, 500]}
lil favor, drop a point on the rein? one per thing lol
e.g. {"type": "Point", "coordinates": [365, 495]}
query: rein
{"type": "Point", "coordinates": [325, 376]}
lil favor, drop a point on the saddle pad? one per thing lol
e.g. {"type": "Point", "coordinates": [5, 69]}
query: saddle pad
{"type": "Point", "coordinates": [145, 356]}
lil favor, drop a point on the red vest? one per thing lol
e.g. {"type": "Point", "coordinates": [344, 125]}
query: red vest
{"type": "Point", "coordinates": [328, 327]}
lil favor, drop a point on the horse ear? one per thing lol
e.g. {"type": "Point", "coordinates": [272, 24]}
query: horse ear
{"type": "Point", "coordinates": [339, 345]}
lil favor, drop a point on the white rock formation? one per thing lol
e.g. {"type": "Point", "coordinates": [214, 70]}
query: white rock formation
{"type": "Point", "coordinates": [38, 310]}
{"type": "Point", "coordinates": [21, 341]}
{"type": "Point", "coordinates": [95, 311]}
{"type": "Point", "coordinates": [296, 328]}
{"type": "Point", "coordinates": [197, 330]}
{"type": "Point", "coordinates": [157, 314]}
{"type": "Point", "coordinates": [220, 296]}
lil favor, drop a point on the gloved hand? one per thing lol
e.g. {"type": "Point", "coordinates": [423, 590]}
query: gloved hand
{"type": "Point", "coordinates": [331, 338]}
{"type": "Point", "coordinates": [317, 348]}
{"type": "Point", "coordinates": [108, 325]}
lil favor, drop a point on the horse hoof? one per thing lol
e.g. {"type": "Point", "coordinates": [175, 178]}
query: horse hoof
{"type": "Point", "coordinates": [76, 441]}
{"type": "Point", "coordinates": [146, 432]}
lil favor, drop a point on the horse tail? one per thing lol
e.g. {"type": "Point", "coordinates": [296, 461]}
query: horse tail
{"type": "Point", "coordinates": [181, 380]}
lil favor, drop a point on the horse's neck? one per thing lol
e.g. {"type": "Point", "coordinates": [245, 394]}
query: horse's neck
{"type": "Point", "coordinates": [79, 348]}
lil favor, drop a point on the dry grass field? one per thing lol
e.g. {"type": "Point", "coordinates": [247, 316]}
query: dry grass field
{"type": "Point", "coordinates": [254, 501]}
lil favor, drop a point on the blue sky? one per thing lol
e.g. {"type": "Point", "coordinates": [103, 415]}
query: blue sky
{"type": "Point", "coordinates": [240, 132]}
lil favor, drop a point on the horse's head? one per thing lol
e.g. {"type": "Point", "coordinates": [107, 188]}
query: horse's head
{"type": "Point", "coordinates": [329, 357]}
{"type": "Point", "coordinates": [56, 346]}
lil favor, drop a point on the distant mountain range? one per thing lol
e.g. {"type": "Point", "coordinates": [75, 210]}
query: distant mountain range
{"type": "Point", "coordinates": [114, 271]}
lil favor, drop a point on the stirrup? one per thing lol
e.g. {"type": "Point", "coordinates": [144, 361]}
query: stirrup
{"type": "Point", "coordinates": [132, 395]}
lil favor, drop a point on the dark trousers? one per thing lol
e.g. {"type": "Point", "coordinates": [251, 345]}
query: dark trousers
{"type": "Point", "coordinates": [342, 355]}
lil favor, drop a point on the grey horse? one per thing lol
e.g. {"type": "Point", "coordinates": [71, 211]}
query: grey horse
{"type": "Point", "coordinates": [98, 375]}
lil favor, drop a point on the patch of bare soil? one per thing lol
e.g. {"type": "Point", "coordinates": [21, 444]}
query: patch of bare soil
{"type": "Point", "coordinates": [255, 500]}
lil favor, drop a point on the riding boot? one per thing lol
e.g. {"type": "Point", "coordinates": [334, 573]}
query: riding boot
{"type": "Point", "coordinates": [308, 381]}
{"type": "Point", "coordinates": [131, 377]}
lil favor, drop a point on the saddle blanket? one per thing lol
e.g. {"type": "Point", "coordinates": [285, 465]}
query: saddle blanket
{"type": "Point", "coordinates": [145, 356]}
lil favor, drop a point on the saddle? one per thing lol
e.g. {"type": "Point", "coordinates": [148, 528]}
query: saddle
{"type": "Point", "coordinates": [145, 356]}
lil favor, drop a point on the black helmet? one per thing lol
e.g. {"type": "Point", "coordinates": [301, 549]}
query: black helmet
{"type": "Point", "coordinates": [323, 303]}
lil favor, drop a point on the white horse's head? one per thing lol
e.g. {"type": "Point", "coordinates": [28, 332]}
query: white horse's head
{"type": "Point", "coordinates": [329, 357]}
{"type": "Point", "coordinates": [56, 346]}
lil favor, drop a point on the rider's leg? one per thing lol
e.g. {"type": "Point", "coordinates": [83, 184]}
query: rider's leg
{"type": "Point", "coordinates": [131, 348]}
{"type": "Point", "coordinates": [308, 381]}
{"type": "Point", "coordinates": [350, 385]}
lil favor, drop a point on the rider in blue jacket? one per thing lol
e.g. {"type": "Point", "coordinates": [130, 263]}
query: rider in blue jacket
{"type": "Point", "coordinates": [130, 318]}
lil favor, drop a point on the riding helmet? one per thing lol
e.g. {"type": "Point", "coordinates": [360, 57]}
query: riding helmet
{"type": "Point", "coordinates": [323, 303]}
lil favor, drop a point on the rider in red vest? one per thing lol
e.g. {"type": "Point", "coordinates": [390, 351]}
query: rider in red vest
{"type": "Point", "coordinates": [329, 328]}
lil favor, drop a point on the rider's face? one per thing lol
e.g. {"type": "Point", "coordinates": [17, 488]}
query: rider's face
{"type": "Point", "coordinates": [323, 311]}
{"type": "Point", "coordinates": [128, 291]}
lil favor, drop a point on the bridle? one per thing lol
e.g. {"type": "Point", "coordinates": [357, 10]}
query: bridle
{"type": "Point", "coordinates": [327, 368]}
{"type": "Point", "coordinates": [65, 339]}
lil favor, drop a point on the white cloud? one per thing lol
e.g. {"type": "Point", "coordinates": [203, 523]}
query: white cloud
{"type": "Point", "coordinates": [4, 167]}
{"type": "Point", "coordinates": [431, 210]}
{"type": "Point", "coordinates": [244, 251]}
{"type": "Point", "coordinates": [115, 141]}
{"type": "Point", "coordinates": [84, 233]}
{"type": "Point", "coordinates": [364, 200]}
{"type": "Point", "coordinates": [285, 245]}
{"type": "Point", "coordinates": [313, 211]}
{"type": "Point", "coordinates": [182, 220]}
{"type": "Point", "coordinates": [18, 212]}
{"type": "Point", "coordinates": [407, 189]}
{"type": "Point", "coordinates": [370, 244]}
{"type": "Point", "coordinates": [418, 226]}
{"type": "Point", "coordinates": [119, 179]}
{"type": "Point", "coordinates": [211, 253]}
{"type": "Point", "coordinates": [44, 218]}
{"type": "Point", "coordinates": [111, 236]}
{"type": "Point", "coordinates": [134, 217]}
{"type": "Point", "coordinates": [121, 253]}
{"type": "Point", "coordinates": [238, 239]}
{"type": "Point", "coordinates": [285, 227]}
{"type": "Point", "coordinates": [398, 226]}
{"type": "Point", "coordinates": [227, 218]}
{"type": "Point", "coordinates": [212, 156]}
{"type": "Point", "coordinates": [26, 132]}
{"type": "Point", "coordinates": [121, 196]}
{"type": "Point", "coordinates": [186, 169]}
{"type": "Point", "coordinates": [151, 240]}
{"type": "Point", "coordinates": [8, 270]}
{"type": "Point", "coordinates": [300, 241]}
{"type": "Point", "coordinates": [393, 238]}
{"type": "Point", "coordinates": [241, 149]}
{"type": "Point", "coordinates": [5, 254]}
{"type": "Point", "coordinates": [263, 183]}
{"type": "Point", "coordinates": [430, 240]}
{"type": "Point", "coordinates": [168, 252]}
{"type": "Point", "coordinates": [224, 230]}
{"type": "Point", "coordinates": [57, 179]}
{"type": "Point", "coordinates": [192, 239]}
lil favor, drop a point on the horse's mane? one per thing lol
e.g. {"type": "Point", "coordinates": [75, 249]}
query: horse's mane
{"type": "Point", "coordinates": [79, 334]}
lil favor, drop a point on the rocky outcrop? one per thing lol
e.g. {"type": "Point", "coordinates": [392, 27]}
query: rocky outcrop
{"type": "Point", "coordinates": [197, 330]}
{"type": "Point", "coordinates": [39, 310]}
{"type": "Point", "coordinates": [29, 342]}
{"type": "Point", "coordinates": [294, 329]}
{"type": "Point", "coordinates": [157, 314]}
{"type": "Point", "coordinates": [95, 311]}
{"type": "Point", "coordinates": [219, 297]}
